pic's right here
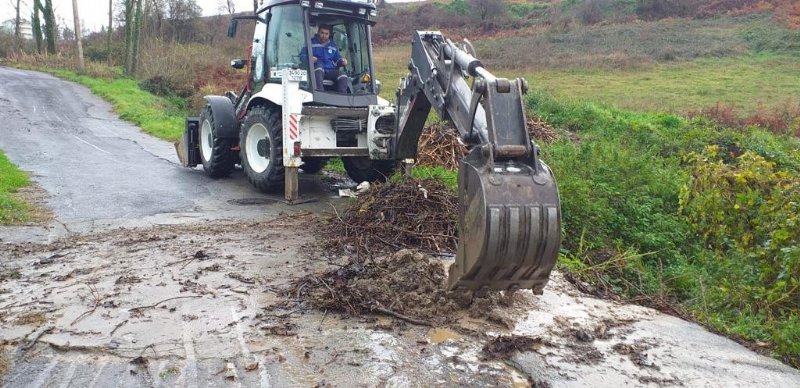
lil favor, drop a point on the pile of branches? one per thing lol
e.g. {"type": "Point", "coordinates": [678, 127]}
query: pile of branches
{"type": "Point", "coordinates": [408, 213]}
{"type": "Point", "coordinates": [440, 145]}
{"type": "Point", "coordinates": [540, 131]}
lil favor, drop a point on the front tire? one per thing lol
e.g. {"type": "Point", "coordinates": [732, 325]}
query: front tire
{"type": "Point", "coordinates": [261, 147]}
{"type": "Point", "coordinates": [362, 169]}
{"type": "Point", "coordinates": [215, 152]}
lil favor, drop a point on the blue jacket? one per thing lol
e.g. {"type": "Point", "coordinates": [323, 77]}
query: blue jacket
{"type": "Point", "coordinates": [328, 55]}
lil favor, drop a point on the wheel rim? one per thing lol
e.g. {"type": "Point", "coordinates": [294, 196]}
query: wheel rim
{"type": "Point", "coordinates": [206, 140]}
{"type": "Point", "coordinates": [257, 147]}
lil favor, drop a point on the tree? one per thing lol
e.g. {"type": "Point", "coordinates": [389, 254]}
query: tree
{"type": "Point", "coordinates": [226, 6]}
{"type": "Point", "coordinates": [130, 23]}
{"type": "Point", "coordinates": [156, 13]}
{"type": "Point", "coordinates": [67, 33]}
{"type": "Point", "coordinates": [136, 31]}
{"type": "Point", "coordinates": [133, 27]}
{"type": "Point", "coordinates": [50, 28]}
{"type": "Point", "coordinates": [36, 26]}
{"type": "Point", "coordinates": [182, 15]}
{"type": "Point", "coordinates": [81, 65]}
{"type": "Point", "coordinates": [110, 30]}
{"type": "Point", "coordinates": [17, 22]}
{"type": "Point", "coordinates": [487, 9]}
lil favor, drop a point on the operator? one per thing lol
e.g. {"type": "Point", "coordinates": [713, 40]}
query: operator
{"type": "Point", "coordinates": [326, 59]}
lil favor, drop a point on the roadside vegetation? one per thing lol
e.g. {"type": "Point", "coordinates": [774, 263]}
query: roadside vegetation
{"type": "Point", "coordinates": [683, 215]}
{"type": "Point", "coordinates": [678, 159]}
{"type": "Point", "coordinates": [12, 210]}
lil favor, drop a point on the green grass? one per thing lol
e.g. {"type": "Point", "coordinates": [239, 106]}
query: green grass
{"type": "Point", "coordinates": [744, 82]}
{"type": "Point", "coordinates": [336, 165]}
{"type": "Point", "coordinates": [12, 210]}
{"type": "Point", "coordinates": [450, 178]}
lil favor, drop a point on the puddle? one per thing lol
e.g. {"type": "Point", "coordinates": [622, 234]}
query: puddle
{"type": "Point", "coordinates": [335, 181]}
{"type": "Point", "coordinates": [438, 335]}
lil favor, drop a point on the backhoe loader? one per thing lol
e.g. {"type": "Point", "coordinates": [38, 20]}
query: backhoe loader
{"type": "Point", "coordinates": [284, 120]}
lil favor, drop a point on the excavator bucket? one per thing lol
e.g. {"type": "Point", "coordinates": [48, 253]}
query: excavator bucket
{"type": "Point", "coordinates": [509, 225]}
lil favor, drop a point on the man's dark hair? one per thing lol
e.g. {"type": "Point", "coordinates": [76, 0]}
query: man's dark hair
{"type": "Point", "coordinates": [325, 27]}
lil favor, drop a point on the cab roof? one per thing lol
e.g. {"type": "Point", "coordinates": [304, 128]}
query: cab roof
{"type": "Point", "coordinates": [354, 4]}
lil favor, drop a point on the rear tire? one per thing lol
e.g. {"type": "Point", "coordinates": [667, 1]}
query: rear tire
{"type": "Point", "coordinates": [261, 146]}
{"type": "Point", "coordinates": [215, 152]}
{"type": "Point", "coordinates": [362, 169]}
{"type": "Point", "coordinates": [313, 165]}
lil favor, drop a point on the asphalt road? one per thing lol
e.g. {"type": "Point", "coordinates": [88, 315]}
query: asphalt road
{"type": "Point", "coordinates": [101, 171]}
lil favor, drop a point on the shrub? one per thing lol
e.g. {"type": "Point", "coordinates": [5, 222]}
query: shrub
{"type": "Point", "coordinates": [781, 119]}
{"type": "Point", "coordinates": [747, 210]}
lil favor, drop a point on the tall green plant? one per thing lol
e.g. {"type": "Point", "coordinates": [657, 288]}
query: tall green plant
{"type": "Point", "coordinates": [36, 26]}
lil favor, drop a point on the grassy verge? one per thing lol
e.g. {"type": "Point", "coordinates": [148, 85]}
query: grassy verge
{"type": "Point", "coordinates": [12, 210]}
{"type": "Point", "coordinates": [155, 115]}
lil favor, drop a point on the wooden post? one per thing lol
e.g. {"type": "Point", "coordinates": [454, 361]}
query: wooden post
{"type": "Point", "coordinates": [292, 183]}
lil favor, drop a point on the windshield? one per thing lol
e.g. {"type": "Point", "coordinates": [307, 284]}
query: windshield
{"type": "Point", "coordinates": [343, 49]}
{"type": "Point", "coordinates": [286, 40]}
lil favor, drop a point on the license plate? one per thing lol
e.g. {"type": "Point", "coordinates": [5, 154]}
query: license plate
{"type": "Point", "coordinates": [296, 75]}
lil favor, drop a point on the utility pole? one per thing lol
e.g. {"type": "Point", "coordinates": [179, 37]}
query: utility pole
{"type": "Point", "coordinates": [81, 65]}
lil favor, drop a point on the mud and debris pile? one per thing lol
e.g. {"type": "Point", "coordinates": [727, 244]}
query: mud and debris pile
{"type": "Point", "coordinates": [407, 285]}
{"type": "Point", "coordinates": [411, 213]}
{"type": "Point", "coordinates": [505, 346]}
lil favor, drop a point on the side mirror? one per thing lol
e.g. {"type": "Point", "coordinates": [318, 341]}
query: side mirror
{"type": "Point", "coordinates": [232, 28]}
{"type": "Point", "coordinates": [237, 63]}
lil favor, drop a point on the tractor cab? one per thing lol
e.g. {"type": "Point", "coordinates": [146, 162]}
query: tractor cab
{"type": "Point", "coordinates": [284, 38]}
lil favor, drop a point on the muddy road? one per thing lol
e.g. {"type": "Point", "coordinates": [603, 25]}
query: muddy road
{"type": "Point", "coordinates": [153, 275]}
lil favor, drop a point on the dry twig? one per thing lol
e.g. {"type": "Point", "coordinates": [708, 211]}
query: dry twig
{"type": "Point", "coordinates": [140, 308]}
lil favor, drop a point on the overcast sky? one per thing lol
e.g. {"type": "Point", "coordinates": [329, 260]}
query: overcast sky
{"type": "Point", "coordinates": [94, 13]}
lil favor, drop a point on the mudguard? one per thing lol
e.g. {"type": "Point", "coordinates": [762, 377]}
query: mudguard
{"type": "Point", "coordinates": [227, 126]}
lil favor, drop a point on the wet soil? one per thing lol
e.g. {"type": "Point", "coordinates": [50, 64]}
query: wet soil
{"type": "Point", "coordinates": [407, 285]}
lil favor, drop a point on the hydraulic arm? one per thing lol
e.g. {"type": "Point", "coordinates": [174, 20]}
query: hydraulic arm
{"type": "Point", "coordinates": [509, 215]}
